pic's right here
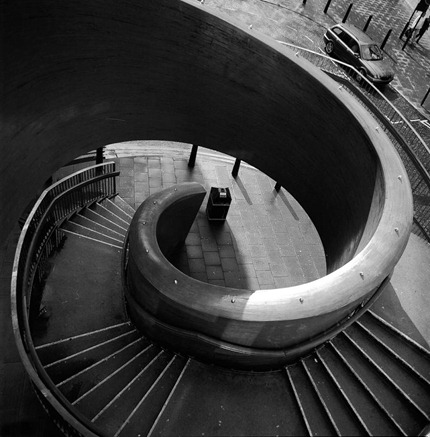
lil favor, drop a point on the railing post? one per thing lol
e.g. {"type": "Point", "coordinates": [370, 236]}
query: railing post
{"type": "Point", "coordinates": [193, 155]}
{"type": "Point", "coordinates": [236, 166]}
{"type": "Point", "coordinates": [347, 13]}
{"type": "Point", "coordinates": [367, 23]}
{"type": "Point", "coordinates": [386, 39]}
{"type": "Point", "coordinates": [327, 6]}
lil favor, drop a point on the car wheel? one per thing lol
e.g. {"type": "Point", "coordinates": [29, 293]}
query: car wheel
{"type": "Point", "coordinates": [359, 77]}
{"type": "Point", "coordinates": [329, 48]}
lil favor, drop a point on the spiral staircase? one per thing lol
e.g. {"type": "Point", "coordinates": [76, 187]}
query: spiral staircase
{"type": "Point", "coordinates": [371, 379]}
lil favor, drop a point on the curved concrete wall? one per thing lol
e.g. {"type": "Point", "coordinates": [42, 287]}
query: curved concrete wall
{"type": "Point", "coordinates": [80, 75]}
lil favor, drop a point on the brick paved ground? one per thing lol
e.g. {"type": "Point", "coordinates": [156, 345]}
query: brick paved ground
{"type": "Point", "coordinates": [267, 240]}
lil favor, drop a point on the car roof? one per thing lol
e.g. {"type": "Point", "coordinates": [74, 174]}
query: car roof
{"type": "Point", "coordinates": [359, 34]}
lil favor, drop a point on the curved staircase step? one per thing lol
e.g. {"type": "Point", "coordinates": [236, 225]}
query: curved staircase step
{"type": "Point", "coordinates": [97, 227]}
{"type": "Point", "coordinates": [381, 384]}
{"type": "Point", "coordinates": [219, 402]}
{"type": "Point", "coordinates": [119, 201]}
{"type": "Point", "coordinates": [98, 218]}
{"type": "Point", "coordinates": [62, 348]}
{"type": "Point", "coordinates": [80, 384]}
{"type": "Point", "coordinates": [78, 229]}
{"type": "Point", "coordinates": [102, 395]}
{"type": "Point", "coordinates": [107, 213]}
{"type": "Point", "coordinates": [65, 367]}
{"type": "Point", "coordinates": [114, 207]}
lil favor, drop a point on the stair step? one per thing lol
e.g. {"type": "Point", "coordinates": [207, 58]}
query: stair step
{"type": "Point", "coordinates": [153, 401]}
{"type": "Point", "coordinates": [417, 356]}
{"type": "Point", "coordinates": [113, 217]}
{"type": "Point", "coordinates": [78, 229]}
{"type": "Point", "coordinates": [343, 415]}
{"type": "Point", "coordinates": [81, 384]}
{"type": "Point", "coordinates": [95, 216]}
{"type": "Point", "coordinates": [117, 412]}
{"type": "Point", "coordinates": [221, 402]}
{"type": "Point", "coordinates": [383, 389]}
{"type": "Point", "coordinates": [320, 423]}
{"type": "Point", "coordinates": [413, 384]}
{"type": "Point", "coordinates": [62, 348]}
{"type": "Point", "coordinates": [93, 402]}
{"type": "Point", "coordinates": [68, 366]}
{"type": "Point", "coordinates": [118, 200]}
{"type": "Point", "coordinates": [97, 227]}
{"type": "Point", "coordinates": [116, 209]}
{"type": "Point", "coordinates": [367, 407]}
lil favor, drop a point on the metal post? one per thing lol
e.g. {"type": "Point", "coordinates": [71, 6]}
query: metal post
{"type": "Point", "coordinates": [347, 13]}
{"type": "Point", "coordinates": [423, 100]}
{"type": "Point", "coordinates": [386, 39]}
{"type": "Point", "coordinates": [304, 2]}
{"type": "Point", "coordinates": [193, 155]}
{"type": "Point", "coordinates": [278, 186]}
{"type": "Point", "coordinates": [327, 6]}
{"type": "Point", "coordinates": [236, 166]}
{"type": "Point", "coordinates": [367, 23]}
{"type": "Point", "coordinates": [99, 155]}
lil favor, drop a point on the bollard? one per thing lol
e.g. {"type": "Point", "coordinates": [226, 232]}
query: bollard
{"type": "Point", "coordinates": [423, 100]}
{"type": "Point", "coordinates": [236, 166]}
{"type": "Point", "coordinates": [304, 2]}
{"type": "Point", "coordinates": [327, 6]}
{"type": "Point", "coordinates": [367, 23]}
{"type": "Point", "coordinates": [278, 186]}
{"type": "Point", "coordinates": [347, 13]}
{"type": "Point", "coordinates": [386, 39]}
{"type": "Point", "coordinates": [99, 155]}
{"type": "Point", "coordinates": [193, 155]}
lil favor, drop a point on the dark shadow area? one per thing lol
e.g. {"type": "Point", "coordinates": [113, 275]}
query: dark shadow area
{"type": "Point", "coordinates": [282, 196]}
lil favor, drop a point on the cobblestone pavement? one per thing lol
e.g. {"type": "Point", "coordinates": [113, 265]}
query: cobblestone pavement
{"type": "Point", "coordinates": [304, 25]}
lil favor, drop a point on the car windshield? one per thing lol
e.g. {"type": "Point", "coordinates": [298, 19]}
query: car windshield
{"type": "Point", "coordinates": [371, 53]}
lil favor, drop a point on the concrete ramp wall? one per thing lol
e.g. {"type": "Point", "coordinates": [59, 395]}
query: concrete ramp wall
{"type": "Point", "coordinates": [80, 75]}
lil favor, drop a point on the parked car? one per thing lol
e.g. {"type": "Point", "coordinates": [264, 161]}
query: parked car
{"type": "Point", "coordinates": [354, 47]}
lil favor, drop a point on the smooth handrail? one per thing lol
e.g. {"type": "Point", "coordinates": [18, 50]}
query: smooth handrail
{"type": "Point", "coordinates": [20, 320]}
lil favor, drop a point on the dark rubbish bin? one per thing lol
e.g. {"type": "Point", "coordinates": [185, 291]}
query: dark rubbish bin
{"type": "Point", "coordinates": [218, 204]}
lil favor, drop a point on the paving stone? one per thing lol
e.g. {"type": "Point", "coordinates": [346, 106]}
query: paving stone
{"type": "Point", "coordinates": [265, 277]}
{"type": "Point", "coordinates": [214, 272]}
{"type": "Point", "coordinates": [229, 265]}
{"type": "Point", "coordinates": [197, 265]}
{"type": "Point", "coordinates": [227, 252]}
{"type": "Point", "coordinates": [212, 258]}
{"type": "Point", "coordinates": [261, 264]}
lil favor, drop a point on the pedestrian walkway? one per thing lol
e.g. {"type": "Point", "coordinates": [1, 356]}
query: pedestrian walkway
{"type": "Point", "coordinates": [304, 24]}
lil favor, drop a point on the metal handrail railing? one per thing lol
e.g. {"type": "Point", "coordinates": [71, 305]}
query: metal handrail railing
{"type": "Point", "coordinates": [409, 144]}
{"type": "Point", "coordinates": [38, 239]}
